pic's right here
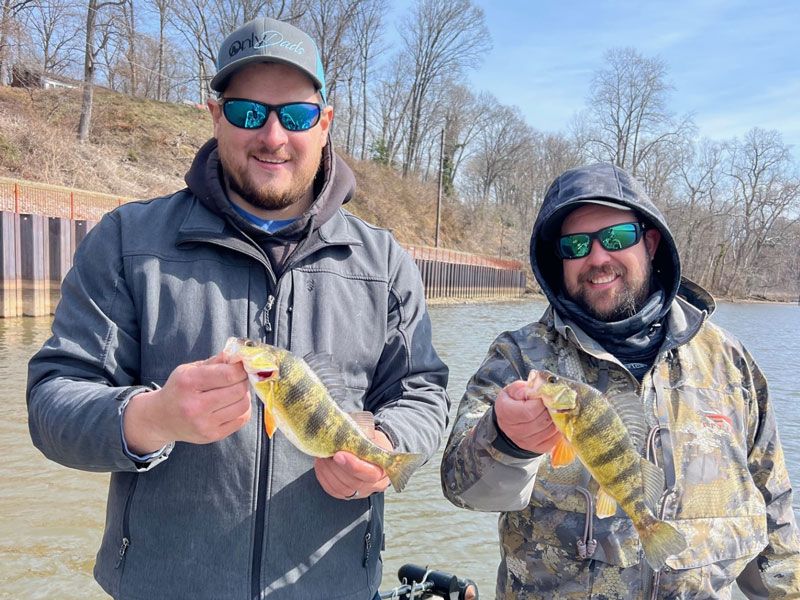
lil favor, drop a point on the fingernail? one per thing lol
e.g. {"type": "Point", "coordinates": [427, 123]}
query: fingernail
{"type": "Point", "coordinates": [339, 459]}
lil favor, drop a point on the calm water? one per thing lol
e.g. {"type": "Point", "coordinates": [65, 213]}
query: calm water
{"type": "Point", "coordinates": [52, 517]}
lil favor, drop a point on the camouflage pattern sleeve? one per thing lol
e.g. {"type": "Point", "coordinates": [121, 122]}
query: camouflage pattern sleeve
{"type": "Point", "coordinates": [775, 573]}
{"type": "Point", "coordinates": [479, 470]}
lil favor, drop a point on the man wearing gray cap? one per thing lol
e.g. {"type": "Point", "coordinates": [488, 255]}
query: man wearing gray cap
{"type": "Point", "coordinates": [202, 503]}
{"type": "Point", "coordinates": [704, 461]}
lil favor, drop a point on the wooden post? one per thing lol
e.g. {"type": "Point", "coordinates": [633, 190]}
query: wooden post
{"type": "Point", "coordinates": [34, 266]}
{"type": "Point", "coordinates": [60, 248]}
{"type": "Point", "coordinates": [10, 287]}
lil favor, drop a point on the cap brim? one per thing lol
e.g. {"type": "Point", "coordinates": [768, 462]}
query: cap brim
{"type": "Point", "coordinates": [552, 229]}
{"type": "Point", "coordinates": [219, 81]}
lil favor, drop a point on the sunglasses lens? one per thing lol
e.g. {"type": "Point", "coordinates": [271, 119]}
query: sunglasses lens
{"type": "Point", "coordinates": [574, 246]}
{"type": "Point", "coordinates": [619, 237]}
{"type": "Point", "coordinates": [299, 116]}
{"type": "Point", "coordinates": [245, 114]}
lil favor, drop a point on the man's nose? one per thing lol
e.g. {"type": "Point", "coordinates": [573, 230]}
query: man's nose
{"type": "Point", "coordinates": [272, 133]}
{"type": "Point", "coordinates": [597, 254]}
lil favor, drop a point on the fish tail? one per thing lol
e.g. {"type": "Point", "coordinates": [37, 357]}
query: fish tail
{"type": "Point", "coordinates": [400, 466]}
{"type": "Point", "coordinates": [661, 540]}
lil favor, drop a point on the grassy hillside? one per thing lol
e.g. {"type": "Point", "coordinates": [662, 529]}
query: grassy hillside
{"type": "Point", "coordinates": [142, 148]}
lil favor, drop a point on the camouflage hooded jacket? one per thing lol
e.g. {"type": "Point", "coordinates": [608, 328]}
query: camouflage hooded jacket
{"type": "Point", "coordinates": [712, 431]}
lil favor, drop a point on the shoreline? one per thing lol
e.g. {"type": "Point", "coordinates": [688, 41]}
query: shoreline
{"type": "Point", "coordinates": [454, 301]}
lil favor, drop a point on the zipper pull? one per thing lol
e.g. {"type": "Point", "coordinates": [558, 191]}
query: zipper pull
{"type": "Point", "coordinates": [367, 546]}
{"type": "Point", "coordinates": [122, 550]}
{"type": "Point", "coordinates": [267, 310]}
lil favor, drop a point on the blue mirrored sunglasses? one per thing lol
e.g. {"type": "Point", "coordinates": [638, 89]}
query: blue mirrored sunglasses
{"type": "Point", "coordinates": [249, 114]}
{"type": "Point", "coordinates": [616, 237]}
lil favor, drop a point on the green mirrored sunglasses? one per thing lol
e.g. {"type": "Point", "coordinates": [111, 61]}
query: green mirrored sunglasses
{"type": "Point", "coordinates": [613, 238]}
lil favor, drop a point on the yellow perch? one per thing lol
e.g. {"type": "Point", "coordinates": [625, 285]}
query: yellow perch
{"type": "Point", "coordinates": [298, 403]}
{"type": "Point", "coordinates": [595, 433]}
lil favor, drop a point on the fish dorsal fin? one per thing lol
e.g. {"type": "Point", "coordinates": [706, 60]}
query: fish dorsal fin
{"type": "Point", "coordinates": [365, 421]}
{"type": "Point", "coordinates": [562, 453]}
{"type": "Point", "coordinates": [653, 482]}
{"type": "Point", "coordinates": [629, 409]}
{"type": "Point", "coordinates": [325, 368]}
{"type": "Point", "coordinates": [605, 505]}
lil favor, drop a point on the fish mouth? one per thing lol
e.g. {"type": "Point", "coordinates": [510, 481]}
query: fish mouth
{"type": "Point", "coordinates": [266, 374]}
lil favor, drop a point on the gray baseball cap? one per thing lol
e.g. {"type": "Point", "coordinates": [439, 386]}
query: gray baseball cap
{"type": "Point", "coordinates": [268, 40]}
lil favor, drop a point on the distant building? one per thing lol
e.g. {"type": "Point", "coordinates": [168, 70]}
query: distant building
{"type": "Point", "coordinates": [23, 76]}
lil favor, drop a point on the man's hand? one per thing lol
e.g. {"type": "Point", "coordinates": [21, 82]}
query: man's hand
{"type": "Point", "coordinates": [201, 402]}
{"type": "Point", "coordinates": [343, 474]}
{"type": "Point", "coordinates": [523, 417]}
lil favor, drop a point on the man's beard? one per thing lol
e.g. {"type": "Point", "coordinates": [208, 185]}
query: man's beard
{"type": "Point", "coordinates": [628, 301]}
{"type": "Point", "coordinates": [266, 196]}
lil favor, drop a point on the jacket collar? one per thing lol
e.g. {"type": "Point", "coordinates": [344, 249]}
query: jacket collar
{"type": "Point", "coordinates": [686, 315]}
{"type": "Point", "coordinates": [203, 224]}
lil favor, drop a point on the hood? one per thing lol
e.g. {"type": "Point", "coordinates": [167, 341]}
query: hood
{"type": "Point", "coordinates": [334, 186]}
{"type": "Point", "coordinates": [605, 183]}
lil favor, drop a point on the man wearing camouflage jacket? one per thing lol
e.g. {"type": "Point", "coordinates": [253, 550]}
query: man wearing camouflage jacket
{"type": "Point", "coordinates": [623, 320]}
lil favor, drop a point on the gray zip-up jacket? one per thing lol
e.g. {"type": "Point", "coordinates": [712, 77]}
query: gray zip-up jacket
{"type": "Point", "coordinates": [165, 282]}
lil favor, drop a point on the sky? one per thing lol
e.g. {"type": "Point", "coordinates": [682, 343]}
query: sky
{"type": "Point", "coordinates": [734, 65]}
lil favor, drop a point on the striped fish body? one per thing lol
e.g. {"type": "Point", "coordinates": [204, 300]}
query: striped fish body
{"type": "Point", "coordinates": [595, 433]}
{"type": "Point", "coordinates": [298, 403]}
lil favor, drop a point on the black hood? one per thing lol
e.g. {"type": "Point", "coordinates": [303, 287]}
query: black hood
{"type": "Point", "coordinates": [603, 182]}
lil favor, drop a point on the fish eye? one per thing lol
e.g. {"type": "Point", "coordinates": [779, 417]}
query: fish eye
{"type": "Point", "coordinates": [249, 343]}
{"type": "Point", "coordinates": [552, 379]}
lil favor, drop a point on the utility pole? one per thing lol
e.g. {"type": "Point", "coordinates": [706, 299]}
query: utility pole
{"type": "Point", "coordinates": [439, 193]}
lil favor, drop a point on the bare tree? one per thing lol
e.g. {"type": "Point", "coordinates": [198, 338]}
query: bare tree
{"type": "Point", "coordinates": [330, 23]}
{"type": "Point", "coordinates": [205, 23]}
{"type": "Point", "coordinates": [96, 23]}
{"type": "Point", "coordinates": [440, 38]}
{"type": "Point", "coordinates": [163, 9]}
{"type": "Point", "coordinates": [697, 210]}
{"type": "Point", "coordinates": [627, 108]}
{"type": "Point", "coordinates": [51, 25]}
{"type": "Point", "coordinates": [8, 23]}
{"type": "Point", "coordinates": [129, 34]}
{"type": "Point", "coordinates": [765, 192]}
{"type": "Point", "coordinates": [500, 147]}
{"type": "Point", "coordinates": [465, 118]}
{"type": "Point", "coordinates": [367, 30]}
{"type": "Point", "coordinates": [391, 112]}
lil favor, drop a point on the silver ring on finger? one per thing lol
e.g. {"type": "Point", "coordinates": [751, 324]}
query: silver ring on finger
{"type": "Point", "coordinates": [352, 496]}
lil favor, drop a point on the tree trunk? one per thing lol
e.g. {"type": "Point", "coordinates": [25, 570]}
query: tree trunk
{"type": "Point", "coordinates": [5, 36]}
{"type": "Point", "coordinates": [85, 122]}
{"type": "Point", "coordinates": [160, 74]}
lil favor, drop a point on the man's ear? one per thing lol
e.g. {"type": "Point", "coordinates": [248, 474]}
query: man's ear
{"type": "Point", "coordinates": [651, 239]}
{"type": "Point", "coordinates": [216, 113]}
{"type": "Point", "coordinates": [325, 122]}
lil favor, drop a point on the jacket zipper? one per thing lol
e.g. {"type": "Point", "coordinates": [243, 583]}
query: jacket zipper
{"type": "Point", "coordinates": [368, 535]}
{"type": "Point", "coordinates": [126, 534]}
{"type": "Point", "coordinates": [255, 581]}
{"type": "Point", "coordinates": [261, 492]}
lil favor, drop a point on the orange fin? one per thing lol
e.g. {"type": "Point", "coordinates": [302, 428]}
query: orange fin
{"type": "Point", "coordinates": [269, 422]}
{"type": "Point", "coordinates": [605, 505]}
{"type": "Point", "coordinates": [562, 453]}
